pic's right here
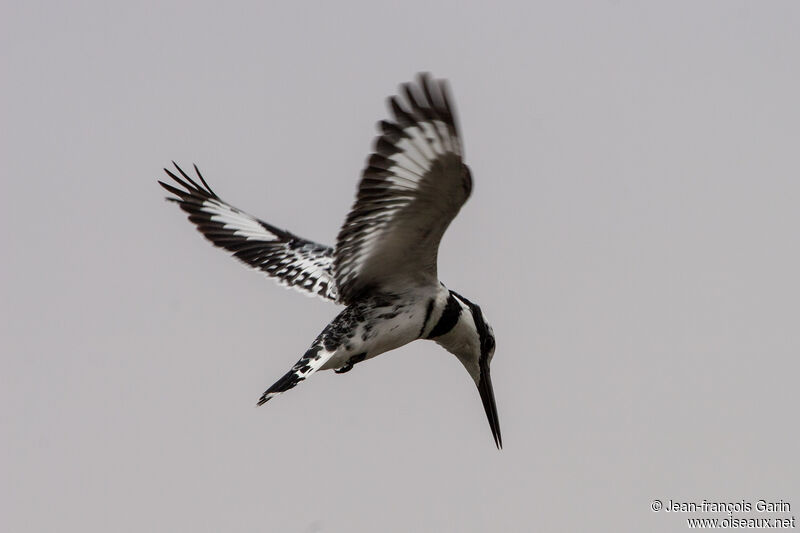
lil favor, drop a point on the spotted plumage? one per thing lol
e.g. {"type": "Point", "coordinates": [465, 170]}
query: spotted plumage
{"type": "Point", "coordinates": [383, 268]}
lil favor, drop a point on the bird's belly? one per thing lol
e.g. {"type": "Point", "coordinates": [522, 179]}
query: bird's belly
{"type": "Point", "coordinates": [375, 337]}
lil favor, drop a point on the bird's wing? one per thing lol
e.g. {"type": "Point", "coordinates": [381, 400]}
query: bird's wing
{"type": "Point", "coordinates": [413, 186]}
{"type": "Point", "coordinates": [289, 259]}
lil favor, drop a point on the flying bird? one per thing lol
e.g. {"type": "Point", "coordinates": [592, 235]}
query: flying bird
{"type": "Point", "coordinates": [383, 268]}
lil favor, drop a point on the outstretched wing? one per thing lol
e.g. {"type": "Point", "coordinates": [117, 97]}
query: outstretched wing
{"type": "Point", "coordinates": [413, 186]}
{"type": "Point", "coordinates": [291, 260]}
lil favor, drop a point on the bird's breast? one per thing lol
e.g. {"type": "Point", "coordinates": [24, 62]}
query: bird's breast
{"type": "Point", "coordinates": [385, 324]}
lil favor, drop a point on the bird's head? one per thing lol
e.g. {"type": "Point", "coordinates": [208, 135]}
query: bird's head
{"type": "Point", "coordinates": [471, 340]}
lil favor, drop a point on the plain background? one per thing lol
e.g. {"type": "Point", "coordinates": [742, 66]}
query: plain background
{"type": "Point", "coordinates": [632, 237]}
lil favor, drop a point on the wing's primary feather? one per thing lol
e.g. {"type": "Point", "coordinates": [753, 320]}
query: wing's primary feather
{"type": "Point", "coordinates": [289, 259]}
{"type": "Point", "coordinates": [413, 186]}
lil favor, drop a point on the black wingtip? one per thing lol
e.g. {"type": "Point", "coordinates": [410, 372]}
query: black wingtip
{"type": "Point", "coordinates": [177, 192]}
{"type": "Point", "coordinates": [192, 188]}
{"type": "Point", "coordinates": [189, 188]}
{"type": "Point", "coordinates": [207, 186]}
{"type": "Point", "coordinates": [402, 117]}
{"type": "Point", "coordinates": [186, 177]}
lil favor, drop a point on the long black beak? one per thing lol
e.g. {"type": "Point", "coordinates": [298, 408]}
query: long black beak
{"type": "Point", "coordinates": [487, 395]}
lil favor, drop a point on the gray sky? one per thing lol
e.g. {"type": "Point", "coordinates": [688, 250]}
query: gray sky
{"type": "Point", "coordinates": [632, 237]}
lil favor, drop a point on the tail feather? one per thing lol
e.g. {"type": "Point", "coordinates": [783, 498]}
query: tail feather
{"type": "Point", "coordinates": [333, 338]}
{"type": "Point", "coordinates": [311, 361]}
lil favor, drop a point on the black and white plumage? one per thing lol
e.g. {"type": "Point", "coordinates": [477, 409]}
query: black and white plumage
{"type": "Point", "coordinates": [384, 265]}
{"type": "Point", "coordinates": [291, 260]}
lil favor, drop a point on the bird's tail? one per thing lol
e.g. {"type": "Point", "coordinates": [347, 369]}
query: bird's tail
{"type": "Point", "coordinates": [311, 361]}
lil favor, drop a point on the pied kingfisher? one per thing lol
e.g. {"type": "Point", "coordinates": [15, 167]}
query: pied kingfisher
{"type": "Point", "coordinates": [383, 268]}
